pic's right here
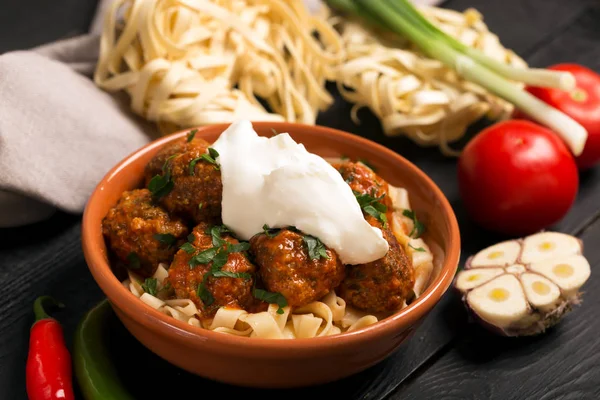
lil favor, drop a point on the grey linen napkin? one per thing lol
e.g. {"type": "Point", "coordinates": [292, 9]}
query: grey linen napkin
{"type": "Point", "coordinates": [59, 133]}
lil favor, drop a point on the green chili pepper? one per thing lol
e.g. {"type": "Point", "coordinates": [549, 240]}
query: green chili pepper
{"type": "Point", "coordinates": [94, 369]}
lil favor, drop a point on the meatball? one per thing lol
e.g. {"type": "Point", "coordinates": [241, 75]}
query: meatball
{"type": "Point", "coordinates": [180, 146]}
{"type": "Point", "coordinates": [187, 279]}
{"type": "Point", "coordinates": [363, 180]}
{"type": "Point", "coordinates": [140, 234]}
{"type": "Point", "coordinates": [382, 285]}
{"type": "Point", "coordinates": [286, 267]}
{"type": "Point", "coordinates": [197, 192]}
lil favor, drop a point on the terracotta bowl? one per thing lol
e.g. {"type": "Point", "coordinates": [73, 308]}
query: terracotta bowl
{"type": "Point", "coordinates": [271, 363]}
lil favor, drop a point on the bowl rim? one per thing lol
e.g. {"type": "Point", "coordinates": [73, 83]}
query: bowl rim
{"type": "Point", "coordinates": [152, 319]}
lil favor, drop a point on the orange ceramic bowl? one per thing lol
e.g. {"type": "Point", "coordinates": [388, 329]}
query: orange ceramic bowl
{"type": "Point", "coordinates": [271, 363]}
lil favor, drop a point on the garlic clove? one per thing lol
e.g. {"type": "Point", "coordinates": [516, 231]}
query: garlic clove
{"type": "Point", "coordinates": [500, 302]}
{"type": "Point", "coordinates": [568, 272]}
{"type": "Point", "coordinates": [541, 292]}
{"type": "Point", "coordinates": [471, 278]}
{"type": "Point", "coordinates": [498, 255]}
{"type": "Point", "coordinates": [548, 245]}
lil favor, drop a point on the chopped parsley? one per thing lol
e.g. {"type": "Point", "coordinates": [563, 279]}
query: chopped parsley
{"type": "Point", "coordinates": [165, 238]}
{"type": "Point", "coordinates": [270, 232]}
{"type": "Point", "coordinates": [188, 248]}
{"type": "Point", "coordinates": [134, 260]}
{"type": "Point", "coordinates": [149, 286]}
{"type": "Point", "coordinates": [191, 134]}
{"type": "Point", "coordinates": [418, 227]}
{"type": "Point", "coordinates": [210, 157]}
{"type": "Point", "coordinates": [420, 249]}
{"type": "Point", "coordinates": [274, 131]}
{"type": "Point", "coordinates": [271, 298]}
{"type": "Point", "coordinates": [205, 294]}
{"type": "Point", "coordinates": [200, 206]}
{"type": "Point", "coordinates": [218, 255]}
{"type": "Point", "coordinates": [204, 257]}
{"type": "Point", "coordinates": [161, 185]}
{"type": "Point", "coordinates": [316, 248]}
{"type": "Point", "coordinates": [228, 274]}
{"type": "Point", "coordinates": [372, 205]}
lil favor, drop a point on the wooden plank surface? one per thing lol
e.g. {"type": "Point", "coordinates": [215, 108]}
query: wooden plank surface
{"type": "Point", "coordinates": [47, 258]}
{"type": "Point", "coordinates": [566, 362]}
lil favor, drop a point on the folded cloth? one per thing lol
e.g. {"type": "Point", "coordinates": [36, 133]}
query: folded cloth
{"type": "Point", "coordinates": [59, 134]}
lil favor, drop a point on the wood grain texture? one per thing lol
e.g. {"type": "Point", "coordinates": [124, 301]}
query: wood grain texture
{"type": "Point", "coordinates": [564, 363]}
{"type": "Point", "coordinates": [28, 23]}
{"type": "Point", "coordinates": [46, 258]}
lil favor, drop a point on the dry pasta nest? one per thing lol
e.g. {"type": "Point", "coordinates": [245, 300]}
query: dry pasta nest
{"type": "Point", "coordinates": [190, 62]}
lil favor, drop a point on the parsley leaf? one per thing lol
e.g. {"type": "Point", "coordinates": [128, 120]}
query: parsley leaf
{"type": "Point", "coordinates": [420, 249]}
{"type": "Point", "coordinates": [274, 131]}
{"type": "Point", "coordinates": [204, 294]}
{"type": "Point", "coordinates": [219, 260]}
{"type": "Point", "coordinates": [200, 206]}
{"type": "Point", "coordinates": [228, 274]}
{"type": "Point", "coordinates": [216, 232]}
{"type": "Point", "coordinates": [149, 286]}
{"type": "Point", "coordinates": [270, 232]}
{"type": "Point", "coordinates": [204, 257]}
{"type": "Point", "coordinates": [165, 238]}
{"type": "Point", "coordinates": [271, 298]}
{"type": "Point", "coordinates": [316, 248]}
{"type": "Point", "coordinates": [134, 260]}
{"type": "Point", "coordinates": [211, 158]}
{"type": "Point", "coordinates": [191, 134]}
{"type": "Point", "coordinates": [418, 227]}
{"type": "Point", "coordinates": [238, 247]}
{"type": "Point", "coordinates": [161, 185]}
{"type": "Point", "coordinates": [192, 165]}
{"type": "Point", "coordinates": [188, 248]}
{"type": "Point", "coordinates": [372, 205]}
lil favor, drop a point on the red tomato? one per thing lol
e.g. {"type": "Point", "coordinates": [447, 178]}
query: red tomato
{"type": "Point", "coordinates": [516, 177]}
{"type": "Point", "coordinates": [583, 105]}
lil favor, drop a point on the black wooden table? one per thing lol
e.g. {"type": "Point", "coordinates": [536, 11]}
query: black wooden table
{"type": "Point", "coordinates": [447, 357]}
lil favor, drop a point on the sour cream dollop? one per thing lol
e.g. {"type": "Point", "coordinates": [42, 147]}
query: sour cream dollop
{"type": "Point", "coordinates": [276, 181]}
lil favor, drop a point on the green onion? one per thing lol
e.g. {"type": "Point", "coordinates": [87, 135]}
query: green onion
{"type": "Point", "coordinates": [400, 17]}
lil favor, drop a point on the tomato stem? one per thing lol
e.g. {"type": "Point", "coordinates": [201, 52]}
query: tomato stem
{"type": "Point", "coordinates": [579, 95]}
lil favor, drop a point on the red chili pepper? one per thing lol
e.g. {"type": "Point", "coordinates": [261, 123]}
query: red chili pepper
{"type": "Point", "coordinates": [49, 362]}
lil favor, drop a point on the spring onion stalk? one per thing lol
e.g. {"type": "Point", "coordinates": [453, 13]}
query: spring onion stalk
{"type": "Point", "coordinates": [398, 18]}
{"type": "Point", "coordinates": [529, 76]}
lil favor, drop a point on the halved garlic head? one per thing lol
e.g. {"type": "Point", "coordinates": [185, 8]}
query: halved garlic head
{"type": "Point", "coordinates": [522, 287]}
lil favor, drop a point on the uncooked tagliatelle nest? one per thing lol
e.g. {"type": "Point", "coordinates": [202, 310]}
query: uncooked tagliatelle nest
{"type": "Point", "coordinates": [187, 63]}
{"type": "Point", "coordinates": [522, 287]}
{"type": "Point", "coordinates": [414, 95]}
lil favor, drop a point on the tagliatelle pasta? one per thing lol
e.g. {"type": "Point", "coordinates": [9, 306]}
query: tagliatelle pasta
{"type": "Point", "coordinates": [328, 316]}
{"type": "Point", "coordinates": [196, 62]}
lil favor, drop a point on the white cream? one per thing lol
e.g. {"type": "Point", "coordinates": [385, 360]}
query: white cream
{"type": "Point", "coordinates": [278, 182]}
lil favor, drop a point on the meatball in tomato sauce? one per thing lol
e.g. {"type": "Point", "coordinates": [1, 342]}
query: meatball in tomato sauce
{"type": "Point", "coordinates": [197, 188]}
{"type": "Point", "coordinates": [231, 286]}
{"type": "Point", "coordinates": [141, 234]}
{"type": "Point", "coordinates": [382, 285]}
{"type": "Point", "coordinates": [363, 180]}
{"type": "Point", "coordinates": [286, 266]}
